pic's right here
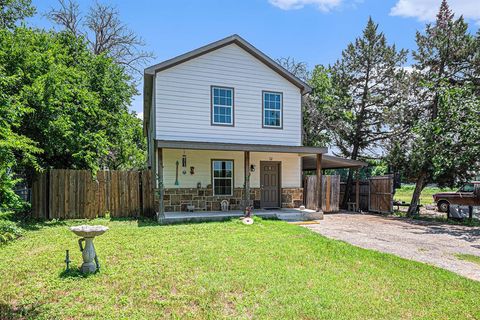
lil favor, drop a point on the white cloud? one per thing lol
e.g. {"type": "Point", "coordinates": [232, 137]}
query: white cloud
{"type": "Point", "coordinates": [140, 115]}
{"type": "Point", "coordinates": [426, 10]}
{"type": "Point", "coordinates": [322, 5]}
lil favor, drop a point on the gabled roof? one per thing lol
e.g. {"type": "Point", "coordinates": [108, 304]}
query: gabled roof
{"type": "Point", "coordinates": [233, 39]}
{"type": "Point", "coordinates": [242, 43]}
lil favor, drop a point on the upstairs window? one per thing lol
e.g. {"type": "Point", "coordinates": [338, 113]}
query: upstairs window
{"type": "Point", "coordinates": [222, 106]}
{"type": "Point", "coordinates": [222, 177]}
{"type": "Point", "coordinates": [272, 109]}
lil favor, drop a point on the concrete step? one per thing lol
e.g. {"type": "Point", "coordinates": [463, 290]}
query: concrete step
{"type": "Point", "coordinates": [195, 217]}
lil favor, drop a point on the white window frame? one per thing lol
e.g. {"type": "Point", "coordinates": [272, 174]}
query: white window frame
{"type": "Point", "coordinates": [213, 105]}
{"type": "Point", "coordinates": [223, 178]}
{"type": "Point", "coordinates": [264, 108]}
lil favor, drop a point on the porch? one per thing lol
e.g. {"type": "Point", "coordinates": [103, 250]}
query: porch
{"type": "Point", "coordinates": [286, 214]}
{"type": "Point", "coordinates": [202, 175]}
{"type": "Point", "coordinates": [261, 176]}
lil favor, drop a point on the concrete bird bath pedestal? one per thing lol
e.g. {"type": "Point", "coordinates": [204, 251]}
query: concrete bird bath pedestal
{"type": "Point", "coordinates": [87, 234]}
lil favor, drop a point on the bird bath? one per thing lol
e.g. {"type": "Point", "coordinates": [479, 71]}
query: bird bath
{"type": "Point", "coordinates": [87, 234]}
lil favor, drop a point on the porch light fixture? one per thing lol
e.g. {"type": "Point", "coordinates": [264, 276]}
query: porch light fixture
{"type": "Point", "coordinates": [252, 168]}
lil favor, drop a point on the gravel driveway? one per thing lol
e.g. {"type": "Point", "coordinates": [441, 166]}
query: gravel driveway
{"type": "Point", "coordinates": [429, 242]}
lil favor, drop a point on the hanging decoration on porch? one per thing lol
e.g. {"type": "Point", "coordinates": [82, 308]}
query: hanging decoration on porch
{"type": "Point", "coordinates": [176, 173]}
{"type": "Point", "coordinates": [184, 163]}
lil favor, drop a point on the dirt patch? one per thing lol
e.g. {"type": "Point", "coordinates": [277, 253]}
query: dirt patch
{"type": "Point", "coordinates": [429, 242]}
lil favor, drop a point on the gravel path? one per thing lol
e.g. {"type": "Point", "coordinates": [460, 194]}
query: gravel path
{"type": "Point", "coordinates": [428, 242]}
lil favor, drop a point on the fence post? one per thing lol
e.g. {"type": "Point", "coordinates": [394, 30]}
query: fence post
{"type": "Point", "coordinates": [47, 194]}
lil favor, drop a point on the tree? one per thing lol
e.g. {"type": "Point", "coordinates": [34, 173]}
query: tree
{"type": "Point", "coordinates": [371, 82]}
{"type": "Point", "coordinates": [316, 105]}
{"type": "Point", "coordinates": [104, 31]}
{"type": "Point", "coordinates": [77, 102]}
{"type": "Point", "coordinates": [298, 68]}
{"type": "Point", "coordinates": [12, 11]}
{"type": "Point", "coordinates": [15, 149]}
{"type": "Point", "coordinates": [319, 110]}
{"type": "Point", "coordinates": [439, 148]}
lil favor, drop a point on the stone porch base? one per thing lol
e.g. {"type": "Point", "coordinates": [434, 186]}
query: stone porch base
{"type": "Point", "coordinates": [177, 199]}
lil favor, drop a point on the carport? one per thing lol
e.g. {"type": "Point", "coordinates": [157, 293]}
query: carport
{"type": "Point", "coordinates": [330, 189]}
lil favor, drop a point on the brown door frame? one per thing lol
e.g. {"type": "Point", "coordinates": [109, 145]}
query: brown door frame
{"type": "Point", "coordinates": [279, 163]}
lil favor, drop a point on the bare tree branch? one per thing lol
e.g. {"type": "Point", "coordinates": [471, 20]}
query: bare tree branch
{"type": "Point", "coordinates": [68, 16]}
{"type": "Point", "coordinates": [105, 33]}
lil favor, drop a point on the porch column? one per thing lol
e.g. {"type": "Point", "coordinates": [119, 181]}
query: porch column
{"type": "Point", "coordinates": [357, 190]}
{"type": "Point", "coordinates": [246, 190]}
{"type": "Point", "coordinates": [319, 182]}
{"type": "Point", "coordinates": [161, 209]}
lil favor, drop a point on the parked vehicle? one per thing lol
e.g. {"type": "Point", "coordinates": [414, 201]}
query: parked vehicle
{"type": "Point", "coordinates": [468, 195]}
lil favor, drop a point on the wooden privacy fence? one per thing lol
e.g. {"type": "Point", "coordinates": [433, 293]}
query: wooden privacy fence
{"type": "Point", "coordinates": [381, 194]}
{"type": "Point", "coordinates": [363, 195]}
{"type": "Point", "coordinates": [76, 194]}
{"type": "Point", "coordinates": [330, 193]}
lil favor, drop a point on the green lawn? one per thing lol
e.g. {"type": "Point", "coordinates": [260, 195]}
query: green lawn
{"type": "Point", "coordinates": [406, 191]}
{"type": "Point", "coordinates": [469, 257]}
{"type": "Point", "coordinates": [270, 270]}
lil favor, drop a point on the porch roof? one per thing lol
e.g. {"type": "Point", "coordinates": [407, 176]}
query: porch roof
{"type": "Point", "coordinates": [195, 145]}
{"type": "Point", "coordinates": [331, 162]}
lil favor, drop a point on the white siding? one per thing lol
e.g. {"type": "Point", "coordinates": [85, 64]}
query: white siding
{"type": "Point", "coordinates": [201, 160]}
{"type": "Point", "coordinates": [183, 100]}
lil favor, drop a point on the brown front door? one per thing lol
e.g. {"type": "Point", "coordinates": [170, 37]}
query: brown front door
{"type": "Point", "coordinates": [270, 184]}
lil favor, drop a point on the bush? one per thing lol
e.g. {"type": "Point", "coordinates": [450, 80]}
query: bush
{"type": "Point", "coordinates": [9, 231]}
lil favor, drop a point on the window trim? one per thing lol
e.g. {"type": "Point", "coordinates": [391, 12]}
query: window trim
{"type": "Point", "coordinates": [212, 122]}
{"type": "Point", "coordinates": [213, 178]}
{"type": "Point", "coordinates": [263, 110]}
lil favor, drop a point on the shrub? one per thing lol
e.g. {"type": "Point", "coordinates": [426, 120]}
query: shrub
{"type": "Point", "coordinates": [9, 231]}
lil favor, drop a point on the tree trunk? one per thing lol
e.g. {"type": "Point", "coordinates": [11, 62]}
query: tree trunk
{"type": "Point", "coordinates": [421, 182]}
{"type": "Point", "coordinates": [348, 189]}
{"type": "Point", "coordinates": [348, 186]}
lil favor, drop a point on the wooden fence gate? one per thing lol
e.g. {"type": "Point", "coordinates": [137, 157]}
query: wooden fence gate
{"type": "Point", "coordinates": [364, 187]}
{"type": "Point", "coordinates": [381, 192]}
{"type": "Point", "coordinates": [76, 194]}
{"type": "Point", "coordinates": [330, 193]}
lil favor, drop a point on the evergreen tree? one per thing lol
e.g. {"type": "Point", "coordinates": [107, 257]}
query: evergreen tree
{"type": "Point", "coordinates": [371, 83]}
{"type": "Point", "coordinates": [443, 145]}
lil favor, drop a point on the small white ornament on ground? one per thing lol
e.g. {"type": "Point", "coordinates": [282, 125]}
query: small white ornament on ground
{"type": "Point", "coordinates": [247, 221]}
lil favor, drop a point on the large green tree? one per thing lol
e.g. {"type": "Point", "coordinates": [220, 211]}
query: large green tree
{"type": "Point", "coordinates": [319, 108]}
{"type": "Point", "coordinates": [443, 145]}
{"type": "Point", "coordinates": [318, 105]}
{"type": "Point", "coordinates": [72, 104]}
{"type": "Point", "coordinates": [371, 83]}
{"type": "Point", "coordinates": [13, 11]}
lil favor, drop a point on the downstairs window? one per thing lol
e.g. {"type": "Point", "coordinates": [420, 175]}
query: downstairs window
{"type": "Point", "coordinates": [222, 177]}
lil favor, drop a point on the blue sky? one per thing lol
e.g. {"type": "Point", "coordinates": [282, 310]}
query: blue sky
{"type": "Point", "coordinates": [313, 31]}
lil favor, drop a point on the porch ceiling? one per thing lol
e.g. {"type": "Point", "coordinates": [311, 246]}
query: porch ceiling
{"type": "Point", "coordinates": [331, 162]}
{"type": "Point", "coordinates": [192, 145]}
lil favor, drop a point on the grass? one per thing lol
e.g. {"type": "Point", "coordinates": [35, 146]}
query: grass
{"type": "Point", "coordinates": [469, 257]}
{"type": "Point", "coordinates": [270, 270]}
{"type": "Point", "coordinates": [426, 198]}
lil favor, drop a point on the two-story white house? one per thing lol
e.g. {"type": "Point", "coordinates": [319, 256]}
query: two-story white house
{"type": "Point", "coordinates": [222, 122]}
